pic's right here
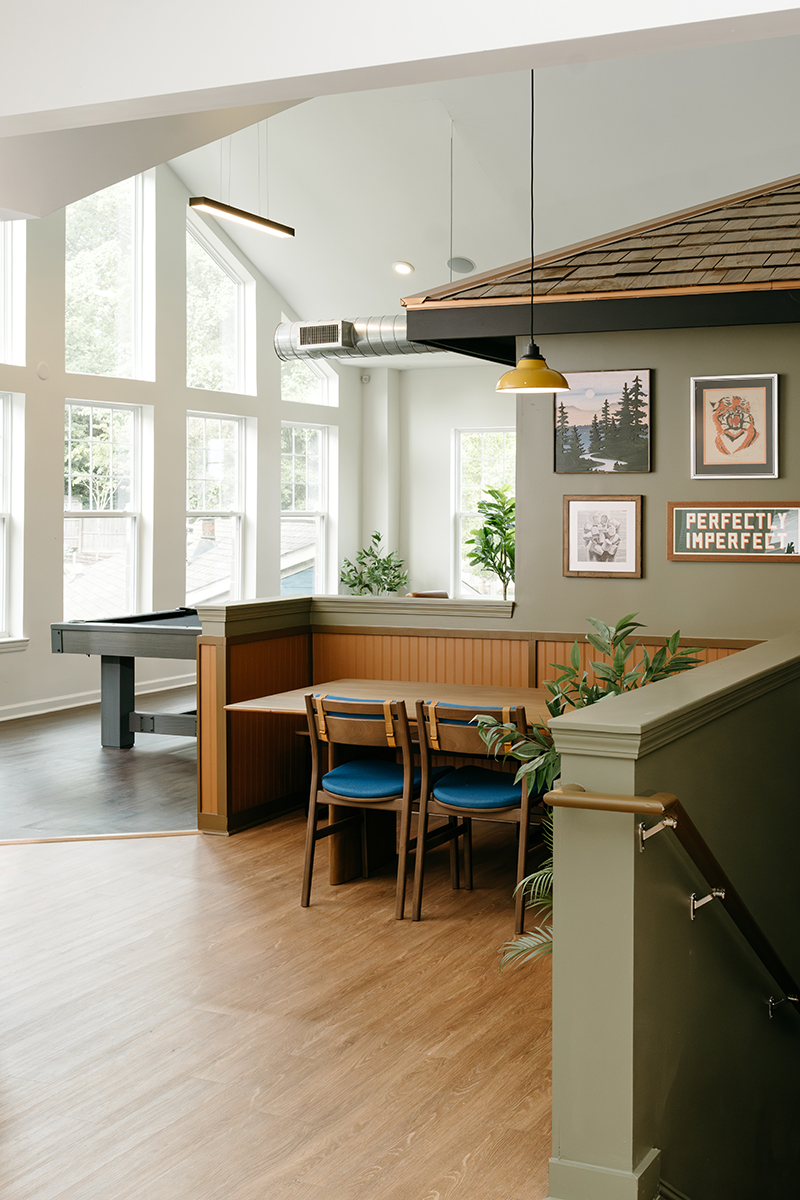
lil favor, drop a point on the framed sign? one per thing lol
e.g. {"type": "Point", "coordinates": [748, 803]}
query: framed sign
{"type": "Point", "coordinates": [735, 427]}
{"type": "Point", "coordinates": [603, 423]}
{"type": "Point", "coordinates": [603, 536]}
{"type": "Point", "coordinates": [733, 531]}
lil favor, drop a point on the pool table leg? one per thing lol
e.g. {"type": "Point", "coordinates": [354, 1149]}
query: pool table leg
{"type": "Point", "coordinates": [116, 701]}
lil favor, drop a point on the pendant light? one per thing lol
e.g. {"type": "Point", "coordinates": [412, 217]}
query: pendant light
{"type": "Point", "coordinates": [532, 374]}
{"type": "Point", "coordinates": [241, 216]}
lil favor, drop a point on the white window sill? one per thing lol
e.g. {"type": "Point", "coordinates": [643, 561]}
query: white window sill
{"type": "Point", "coordinates": [9, 644]}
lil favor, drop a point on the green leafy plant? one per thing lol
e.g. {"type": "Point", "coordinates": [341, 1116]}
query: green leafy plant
{"type": "Point", "coordinates": [374, 573]}
{"type": "Point", "coordinates": [493, 543]}
{"type": "Point", "coordinates": [541, 762]}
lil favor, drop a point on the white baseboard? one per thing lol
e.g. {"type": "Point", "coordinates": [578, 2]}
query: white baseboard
{"type": "Point", "coordinates": [49, 704]}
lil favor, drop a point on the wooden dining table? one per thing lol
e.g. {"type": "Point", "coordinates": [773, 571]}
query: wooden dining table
{"type": "Point", "coordinates": [345, 853]}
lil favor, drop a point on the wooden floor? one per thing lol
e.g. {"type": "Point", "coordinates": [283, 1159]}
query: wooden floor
{"type": "Point", "coordinates": [57, 780]}
{"type": "Point", "coordinates": [176, 1027]}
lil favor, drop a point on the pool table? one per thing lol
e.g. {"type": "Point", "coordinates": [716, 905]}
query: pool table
{"type": "Point", "coordinates": [119, 641]}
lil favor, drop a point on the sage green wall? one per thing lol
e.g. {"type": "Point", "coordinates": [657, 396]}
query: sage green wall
{"type": "Point", "coordinates": [662, 1039]}
{"type": "Point", "coordinates": [750, 600]}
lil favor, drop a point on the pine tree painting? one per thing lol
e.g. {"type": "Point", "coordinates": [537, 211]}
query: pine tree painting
{"type": "Point", "coordinates": [603, 423]}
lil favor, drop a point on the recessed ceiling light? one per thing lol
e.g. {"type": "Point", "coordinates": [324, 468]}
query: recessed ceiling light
{"type": "Point", "coordinates": [464, 266]}
{"type": "Point", "coordinates": [402, 268]}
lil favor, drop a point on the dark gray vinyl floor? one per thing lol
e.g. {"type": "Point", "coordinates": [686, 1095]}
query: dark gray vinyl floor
{"type": "Point", "coordinates": [56, 780]}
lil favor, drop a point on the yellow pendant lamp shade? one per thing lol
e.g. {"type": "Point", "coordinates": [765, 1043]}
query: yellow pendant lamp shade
{"type": "Point", "coordinates": [532, 374]}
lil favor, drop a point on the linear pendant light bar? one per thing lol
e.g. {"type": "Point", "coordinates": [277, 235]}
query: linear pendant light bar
{"type": "Point", "coordinates": [240, 216]}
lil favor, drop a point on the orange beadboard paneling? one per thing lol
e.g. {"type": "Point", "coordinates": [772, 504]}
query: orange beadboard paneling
{"type": "Point", "coordinates": [417, 659]}
{"type": "Point", "coordinates": [208, 728]}
{"type": "Point", "coordinates": [266, 759]}
{"type": "Point", "coordinates": [261, 668]}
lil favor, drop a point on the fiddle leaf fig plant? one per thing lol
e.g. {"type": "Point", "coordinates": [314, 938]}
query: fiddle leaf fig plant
{"type": "Point", "coordinates": [541, 762]}
{"type": "Point", "coordinates": [493, 542]}
{"type": "Point", "coordinates": [374, 573]}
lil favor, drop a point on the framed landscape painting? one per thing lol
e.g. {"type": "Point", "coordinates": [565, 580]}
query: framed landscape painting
{"type": "Point", "coordinates": [603, 423]}
{"type": "Point", "coordinates": [735, 427]}
{"type": "Point", "coordinates": [603, 536]}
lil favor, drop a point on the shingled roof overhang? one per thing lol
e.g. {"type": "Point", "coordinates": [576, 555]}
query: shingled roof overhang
{"type": "Point", "coordinates": [735, 261]}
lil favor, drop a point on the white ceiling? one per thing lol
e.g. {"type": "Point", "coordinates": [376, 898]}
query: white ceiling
{"type": "Point", "coordinates": [365, 177]}
{"type": "Point", "coordinates": [365, 180]}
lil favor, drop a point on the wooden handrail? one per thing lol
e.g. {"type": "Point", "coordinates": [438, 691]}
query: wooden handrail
{"type": "Point", "coordinates": [665, 805]}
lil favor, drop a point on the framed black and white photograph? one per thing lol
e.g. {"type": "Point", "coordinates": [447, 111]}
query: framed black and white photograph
{"type": "Point", "coordinates": [603, 536]}
{"type": "Point", "coordinates": [735, 427]}
{"type": "Point", "coordinates": [603, 423]}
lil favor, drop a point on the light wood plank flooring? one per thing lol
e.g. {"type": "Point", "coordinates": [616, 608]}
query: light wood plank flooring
{"type": "Point", "coordinates": [176, 1027]}
{"type": "Point", "coordinates": [56, 779]}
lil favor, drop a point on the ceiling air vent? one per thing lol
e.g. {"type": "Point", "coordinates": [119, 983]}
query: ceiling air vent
{"type": "Point", "coordinates": [333, 334]}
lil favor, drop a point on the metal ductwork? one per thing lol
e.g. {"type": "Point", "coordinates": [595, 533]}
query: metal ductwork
{"type": "Point", "coordinates": [364, 337]}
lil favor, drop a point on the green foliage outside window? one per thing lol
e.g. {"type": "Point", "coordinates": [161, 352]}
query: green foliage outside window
{"type": "Point", "coordinates": [212, 322]}
{"type": "Point", "coordinates": [99, 282]}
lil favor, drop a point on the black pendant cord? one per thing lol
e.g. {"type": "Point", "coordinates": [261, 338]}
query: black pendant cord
{"type": "Point", "coordinates": [533, 350]}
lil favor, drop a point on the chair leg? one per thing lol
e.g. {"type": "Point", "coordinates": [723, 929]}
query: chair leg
{"type": "Point", "coordinates": [311, 843]}
{"type": "Point", "coordinates": [402, 863]}
{"type": "Point", "coordinates": [522, 858]}
{"type": "Point", "coordinates": [364, 846]}
{"type": "Point", "coordinates": [455, 881]}
{"type": "Point", "coordinates": [466, 825]}
{"type": "Point", "coordinates": [419, 866]}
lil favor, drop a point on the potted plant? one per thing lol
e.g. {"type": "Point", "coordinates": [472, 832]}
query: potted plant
{"type": "Point", "coordinates": [541, 762]}
{"type": "Point", "coordinates": [374, 573]}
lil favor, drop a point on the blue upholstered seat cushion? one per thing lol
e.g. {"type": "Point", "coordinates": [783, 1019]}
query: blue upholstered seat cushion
{"type": "Point", "coordinates": [373, 779]}
{"type": "Point", "coordinates": [475, 787]}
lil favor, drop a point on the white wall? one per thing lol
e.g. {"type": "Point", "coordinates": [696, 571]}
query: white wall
{"type": "Point", "coordinates": [34, 679]}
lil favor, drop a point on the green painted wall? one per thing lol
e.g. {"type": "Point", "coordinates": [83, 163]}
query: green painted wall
{"type": "Point", "coordinates": [702, 599]}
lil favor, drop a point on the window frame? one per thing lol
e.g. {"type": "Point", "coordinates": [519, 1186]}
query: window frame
{"type": "Point", "coordinates": [239, 514]}
{"type": "Point", "coordinates": [246, 333]}
{"type": "Point", "coordinates": [5, 514]}
{"type": "Point", "coordinates": [13, 250]}
{"type": "Point", "coordinates": [133, 513]}
{"type": "Point", "coordinates": [322, 515]}
{"type": "Point", "coordinates": [460, 513]}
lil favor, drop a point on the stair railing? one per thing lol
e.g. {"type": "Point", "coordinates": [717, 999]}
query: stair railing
{"type": "Point", "coordinates": [673, 816]}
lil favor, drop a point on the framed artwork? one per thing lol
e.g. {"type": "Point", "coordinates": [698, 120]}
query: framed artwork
{"type": "Point", "coordinates": [733, 531]}
{"type": "Point", "coordinates": [603, 536]}
{"type": "Point", "coordinates": [603, 424]}
{"type": "Point", "coordinates": [735, 427]}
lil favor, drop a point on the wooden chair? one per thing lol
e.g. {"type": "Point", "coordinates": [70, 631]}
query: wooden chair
{"type": "Point", "coordinates": [469, 792]}
{"type": "Point", "coordinates": [366, 783]}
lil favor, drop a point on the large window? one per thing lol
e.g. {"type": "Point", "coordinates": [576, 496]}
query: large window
{"type": "Point", "coordinates": [309, 382]}
{"type": "Point", "coordinates": [484, 458]}
{"type": "Point", "coordinates": [303, 508]}
{"type": "Point", "coordinates": [5, 509]}
{"type": "Point", "coordinates": [101, 503]}
{"type": "Point", "coordinates": [110, 310]}
{"type": "Point", "coordinates": [12, 292]}
{"type": "Point", "coordinates": [219, 316]}
{"type": "Point", "coordinates": [214, 507]}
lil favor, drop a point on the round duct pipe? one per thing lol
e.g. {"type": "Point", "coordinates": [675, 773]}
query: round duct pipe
{"type": "Point", "coordinates": [364, 337]}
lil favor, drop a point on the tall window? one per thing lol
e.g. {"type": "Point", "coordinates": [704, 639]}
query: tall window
{"type": "Point", "coordinates": [219, 317]}
{"type": "Point", "coordinates": [110, 310]}
{"type": "Point", "coordinates": [303, 508]}
{"type": "Point", "coordinates": [308, 382]}
{"type": "Point", "coordinates": [214, 507]}
{"type": "Point", "coordinates": [5, 508]}
{"type": "Point", "coordinates": [12, 292]}
{"type": "Point", "coordinates": [101, 501]}
{"type": "Point", "coordinates": [484, 458]}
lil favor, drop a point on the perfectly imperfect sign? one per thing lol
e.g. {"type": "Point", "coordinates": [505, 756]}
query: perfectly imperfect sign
{"type": "Point", "coordinates": [722, 531]}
